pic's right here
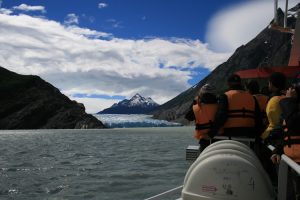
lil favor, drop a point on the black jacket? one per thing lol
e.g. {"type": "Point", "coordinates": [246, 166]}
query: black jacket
{"type": "Point", "coordinates": [291, 114]}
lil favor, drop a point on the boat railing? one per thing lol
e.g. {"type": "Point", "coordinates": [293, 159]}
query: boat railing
{"type": "Point", "coordinates": [166, 194]}
{"type": "Point", "coordinates": [285, 166]}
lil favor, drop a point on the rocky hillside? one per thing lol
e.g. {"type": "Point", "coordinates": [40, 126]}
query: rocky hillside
{"type": "Point", "coordinates": [136, 105]}
{"type": "Point", "coordinates": [269, 48]}
{"type": "Point", "coordinates": [28, 102]}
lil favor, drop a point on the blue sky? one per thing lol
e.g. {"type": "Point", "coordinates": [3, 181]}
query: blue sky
{"type": "Point", "coordinates": [136, 18]}
{"type": "Point", "coordinates": [99, 52]}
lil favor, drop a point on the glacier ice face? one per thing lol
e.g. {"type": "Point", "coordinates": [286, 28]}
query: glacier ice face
{"type": "Point", "coordinates": [132, 120]}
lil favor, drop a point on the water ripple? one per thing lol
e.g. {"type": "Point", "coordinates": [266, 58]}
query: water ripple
{"type": "Point", "coordinates": [127, 164]}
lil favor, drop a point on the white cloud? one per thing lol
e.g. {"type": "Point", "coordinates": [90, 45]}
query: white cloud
{"type": "Point", "coordinates": [95, 105]}
{"type": "Point", "coordinates": [88, 32]}
{"type": "Point", "coordinates": [78, 60]}
{"type": "Point", "coordinates": [5, 11]}
{"type": "Point", "coordinates": [28, 8]}
{"type": "Point", "coordinates": [71, 19]}
{"type": "Point", "coordinates": [102, 5]}
{"type": "Point", "coordinates": [237, 25]}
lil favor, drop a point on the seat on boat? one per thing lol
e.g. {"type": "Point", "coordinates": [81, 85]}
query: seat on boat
{"type": "Point", "coordinates": [227, 170]}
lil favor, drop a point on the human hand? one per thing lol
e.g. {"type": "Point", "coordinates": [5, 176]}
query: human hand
{"type": "Point", "coordinates": [291, 92]}
{"type": "Point", "coordinates": [275, 158]}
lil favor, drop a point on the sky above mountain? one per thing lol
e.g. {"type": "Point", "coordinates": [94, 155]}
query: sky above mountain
{"type": "Point", "coordinates": [100, 52]}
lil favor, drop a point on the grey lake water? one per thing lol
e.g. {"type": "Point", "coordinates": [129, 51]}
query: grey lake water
{"type": "Point", "coordinates": [125, 164]}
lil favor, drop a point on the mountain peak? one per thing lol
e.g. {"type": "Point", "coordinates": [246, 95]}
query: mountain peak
{"type": "Point", "coordinates": [137, 96]}
{"type": "Point", "coordinates": [136, 105]}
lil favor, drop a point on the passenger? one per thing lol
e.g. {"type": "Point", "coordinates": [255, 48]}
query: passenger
{"type": "Point", "coordinates": [273, 132]}
{"type": "Point", "coordinates": [290, 146]}
{"type": "Point", "coordinates": [204, 109]}
{"type": "Point", "coordinates": [253, 88]}
{"type": "Point", "coordinates": [238, 112]}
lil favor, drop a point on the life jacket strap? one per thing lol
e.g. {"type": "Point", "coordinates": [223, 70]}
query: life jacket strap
{"type": "Point", "coordinates": [289, 142]}
{"type": "Point", "coordinates": [241, 113]}
{"type": "Point", "coordinates": [240, 116]}
{"type": "Point", "coordinates": [204, 126]}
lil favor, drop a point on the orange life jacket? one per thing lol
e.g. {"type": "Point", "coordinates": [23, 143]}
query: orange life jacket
{"type": "Point", "coordinates": [205, 115]}
{"type": "Point", "coordinates": [291, 144]}
{"type": "Point", "coordinates": [292, 148]}
{"type": "Point", "coordinates": [241, 109]}
{"type": "Point", "coordinates": [262, 101]}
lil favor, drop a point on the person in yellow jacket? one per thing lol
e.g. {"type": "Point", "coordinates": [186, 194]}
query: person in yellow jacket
{"type": "Point", "coordinates": [277, 84]}
{"type": "Point", "coordinates": [273, 133]}
{"type": "Point", "coordinates": [203, 112]}
{"type": "Point", "coordinates": [238, 112]}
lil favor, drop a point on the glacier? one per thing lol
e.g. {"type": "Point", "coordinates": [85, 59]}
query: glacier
{"type": "Point", "coordinates": [132, 120]}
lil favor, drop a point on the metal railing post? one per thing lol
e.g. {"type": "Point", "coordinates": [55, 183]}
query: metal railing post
{"type": "Point", "coordinates": [275, 11]}
{"type": "Point", "coordinates": [282, 181]}
{"type": "Point", "coordinates": [285, 13]}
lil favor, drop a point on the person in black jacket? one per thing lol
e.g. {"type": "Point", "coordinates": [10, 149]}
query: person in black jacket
{"type": "Point", "coordinates": [290, 146]}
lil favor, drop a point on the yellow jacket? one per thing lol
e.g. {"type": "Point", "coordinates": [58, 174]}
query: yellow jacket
{"type": "Point", "coordinates": [273, 111]}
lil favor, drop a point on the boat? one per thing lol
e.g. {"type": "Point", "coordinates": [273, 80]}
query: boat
{"type": "Point", "coordinates": [229, 169]}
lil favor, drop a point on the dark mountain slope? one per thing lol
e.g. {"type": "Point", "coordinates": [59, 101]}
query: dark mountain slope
{"type": "Point", "coordinates": [269, 48]}
{"type": "Point", "coordinates": [28, 102]}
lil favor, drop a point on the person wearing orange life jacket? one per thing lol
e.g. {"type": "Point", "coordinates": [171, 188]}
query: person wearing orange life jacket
{"type": "Point", "coordinates": [253, 88]}
{"type": "Point", "coordinates": [273, 132]}
{"type": "Point", "coordinates": [238, 112]}
{"type": "Point", "coordinates": [290, 145]}
{"type": "Point", "coordinates": [204, 109]}
{"type": "Point", "coordinates": [290, 107]}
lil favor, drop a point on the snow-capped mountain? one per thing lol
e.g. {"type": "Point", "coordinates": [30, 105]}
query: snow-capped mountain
{"type": "Point", "coordinates": [136, 105]}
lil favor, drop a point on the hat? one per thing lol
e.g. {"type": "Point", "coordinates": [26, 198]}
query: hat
{"type": "Point", "coordinates": [207, 88]}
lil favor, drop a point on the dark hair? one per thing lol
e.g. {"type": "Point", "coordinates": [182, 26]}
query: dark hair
{"type": "Point", "coordinates": [278, 80]}
{"type": "Point", "coordinates": [208, 98]}
{"type": "Point", "coordinates": [296, 81]}
{"type": "Point", "coordinates": [297, 89]}
{"type": "Point", "coordinates": [253, 87]}
{"type": "Point", "coordinates": [265, 90]}
{"type": "Point", "coordinates": [234, 79]}
{"type": "Point", "coordinates": [296, 85]}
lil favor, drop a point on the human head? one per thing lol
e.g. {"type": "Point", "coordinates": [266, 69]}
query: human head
{"type": "Point", "coordinates": [296, 85]}
{"type": "Point", "coordinates": [207, 89]}
{"type": "Point", "coordinates": [277, 82]}
{"type": "Point", "coordinates": [296, 81]}
{"type": "Point", "coordinates": [265, 90]}
{"type": "Point", "coordinates": [253, 87]}
{"type": "Point", "coordinates": [234, 80]}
